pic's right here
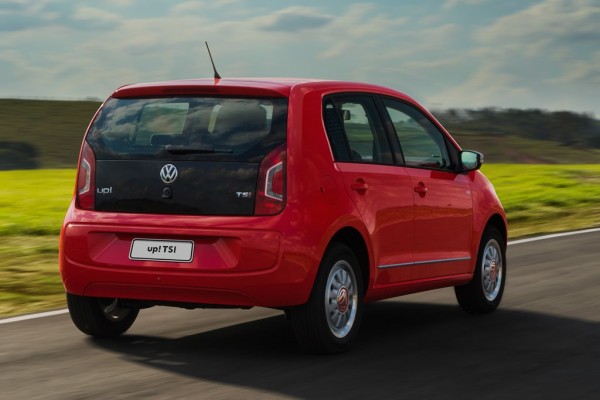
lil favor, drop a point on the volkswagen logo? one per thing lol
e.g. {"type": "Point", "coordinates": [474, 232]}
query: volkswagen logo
{"type": "Point", "coordinates": [168, 173]}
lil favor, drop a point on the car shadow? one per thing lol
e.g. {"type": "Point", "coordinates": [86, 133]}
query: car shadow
{"type": "Point", "coordinates": [408, 350]}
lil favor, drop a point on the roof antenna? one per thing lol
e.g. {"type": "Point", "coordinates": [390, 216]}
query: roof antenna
{"type": "Point", "coordinates": [216, 76]}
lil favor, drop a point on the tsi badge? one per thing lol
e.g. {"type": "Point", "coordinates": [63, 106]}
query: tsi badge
{"type": "Point", "coordinates": [244, 195]}
{"type": "Point", "coordinates": [168, 173]}
{"type": "Point", "coordinates": [106, 190]}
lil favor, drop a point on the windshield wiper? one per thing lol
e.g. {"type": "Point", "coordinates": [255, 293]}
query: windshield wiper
{"type": "Point", "coordinates": [195, 150]}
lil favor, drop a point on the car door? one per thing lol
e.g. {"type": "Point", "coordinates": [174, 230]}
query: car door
{"type": "Point", "coordinates": [379, 189]}
{"type": "Point", "coordinates": [443, 212]}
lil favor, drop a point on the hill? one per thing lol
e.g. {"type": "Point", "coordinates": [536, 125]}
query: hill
{"type": "Point", "coordinates": [526, 136]}
{"type": "Point", "coordinates": [41, 134]}
{"type": "Point", "coordinates": [513, 149]}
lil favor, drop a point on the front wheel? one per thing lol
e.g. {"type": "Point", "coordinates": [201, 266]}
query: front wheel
{"type": "Point", "coordinates": [329, 321]}
{"type": "Point", "coordinates": [484, 292]}
{"type": "Point", "coordinates": [100, 317]}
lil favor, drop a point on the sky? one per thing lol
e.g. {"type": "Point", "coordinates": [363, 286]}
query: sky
{"type": "Point", "coordinates": [445, 53]}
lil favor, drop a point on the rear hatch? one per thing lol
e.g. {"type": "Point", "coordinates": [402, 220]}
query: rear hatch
{"type": "Point", "coordinates": [196, 155]}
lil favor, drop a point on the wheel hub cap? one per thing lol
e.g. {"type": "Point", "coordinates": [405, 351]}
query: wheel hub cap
{"type": "Point", "coordinates": [493, 271]}
{"type": "Point", "coordinates": [342, 300]}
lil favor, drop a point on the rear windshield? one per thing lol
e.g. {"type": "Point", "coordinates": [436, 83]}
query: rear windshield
{"type": "Point", "coordinates": [189, 128]}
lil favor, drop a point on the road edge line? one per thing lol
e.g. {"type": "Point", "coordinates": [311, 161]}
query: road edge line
{"type": "Point", "coordinates": [33, 316]}
{"type": "Point", "coordinates": [552, 236]}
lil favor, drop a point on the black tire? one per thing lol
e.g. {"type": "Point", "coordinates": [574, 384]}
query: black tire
{"type": "Point", "coordinates": [100, 317]}
{"type": "Point", "coordinates": [329, 322]}
{"type": "Point", "coordinates": [483, 294]}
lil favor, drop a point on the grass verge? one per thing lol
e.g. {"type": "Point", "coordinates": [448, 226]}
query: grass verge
{"type": "Point", "coordinates": [547, 198]}
{"type": "Point", "coordinates": [32, 207]}
{"type": "Point", "coordinates": [29, 279]}
{"type": "Point", "coordinates": [34, 202]}
{"type": "Point", "coordinates": [537, 198]}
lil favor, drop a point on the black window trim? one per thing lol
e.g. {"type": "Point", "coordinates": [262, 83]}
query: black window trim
{"type": "Point", "coordinates": [332, 142]}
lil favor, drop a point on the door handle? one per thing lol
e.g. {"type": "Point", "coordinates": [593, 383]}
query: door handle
{"type": "Point", "coordinates": [359, 185]}
{"type": "Point", "coordinates": [421, 189]}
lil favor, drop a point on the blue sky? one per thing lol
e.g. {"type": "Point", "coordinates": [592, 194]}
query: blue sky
{"type": "Point", "coordinates": [445, 53]}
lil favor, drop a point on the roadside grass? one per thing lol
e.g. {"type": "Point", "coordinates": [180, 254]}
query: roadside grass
{"type": "Point", "coordinates": [537, 198]}
{"type": "Point", "coordinates": [547, 198]}
{"type": "Point", "coordinates": [32, 207]}
{"type": "Point", "coordinates": [29, 279]}
{"type": "Point", "coordinates": [34, 202]}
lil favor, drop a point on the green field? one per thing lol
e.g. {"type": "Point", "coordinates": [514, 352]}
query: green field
{"type": "Point", "coordinates": [34, 202]}
{"type": "Point", "coordinates": [547, 198]}
{"type": "Point", "coordinates": [32, 207]}
{"type": "Point", "coordinates": [537, 198]}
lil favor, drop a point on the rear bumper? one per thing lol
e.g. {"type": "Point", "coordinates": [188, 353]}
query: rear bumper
{"type": "Point", "coordinates": [230, 266]}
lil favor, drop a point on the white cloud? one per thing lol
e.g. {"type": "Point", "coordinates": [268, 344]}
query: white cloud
{"type": "Point", "coordinates": [295, 19]}
{"type": "Point", "coordinates": [353, 33]}
{"type": "Point", "coordinates": [549, 21]}
{"type": "Point", "coordinates": [361, 42]}
{"type": "Point", "coordinates": [95, 16]}
{"type": "Point", "coordinates": [196, 6]}
{"type": "Point", "coordinates": [455, 3]}
{"type": "Point", "coordinates": [581, 71]}
{"type": "Point", "coordinates": [488, 86]}
{"type": "Point", "coordinates": [521, 57]}
{"type": "Point", "coordinates": [121, 3]}
{"type": "Point", "coordinates": [63, 48]}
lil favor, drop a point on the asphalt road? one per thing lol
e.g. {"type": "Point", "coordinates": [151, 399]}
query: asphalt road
{"type": "Point", "coordinates": [544, 342]}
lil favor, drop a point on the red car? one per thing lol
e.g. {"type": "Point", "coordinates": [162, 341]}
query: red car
{"type": "Point", "coordinates": [314, 197]}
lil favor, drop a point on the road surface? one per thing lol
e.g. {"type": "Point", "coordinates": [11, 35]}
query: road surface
{"type": "Point", "coordinates": [544, 342]}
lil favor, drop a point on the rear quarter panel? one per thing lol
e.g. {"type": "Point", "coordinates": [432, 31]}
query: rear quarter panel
{"type": "Point", "coordinates": [316, 195]}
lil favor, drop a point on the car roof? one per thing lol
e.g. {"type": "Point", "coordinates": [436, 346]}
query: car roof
{"type": "Point", "coordinates": [273, 87]}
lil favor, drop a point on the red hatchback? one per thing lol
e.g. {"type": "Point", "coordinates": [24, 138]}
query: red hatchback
{"type": "Point", "coordinates": [313, 197]}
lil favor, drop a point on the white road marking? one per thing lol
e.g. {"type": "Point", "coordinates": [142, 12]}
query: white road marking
{"type": "Point", "coordinates": [532, 239]}
{"type": "Point", "coordinates": [33, 316]}
{"type": "Point", "coordinates": [552, 236]}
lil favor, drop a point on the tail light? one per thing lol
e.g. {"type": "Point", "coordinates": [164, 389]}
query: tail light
{"type": "Point", "coordinates": [86, 185]}
{"type": "Point", "coordinates": [270, 196]}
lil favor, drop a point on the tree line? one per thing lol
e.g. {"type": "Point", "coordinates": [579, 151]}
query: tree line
{"type": "Point", "coordinates": [579, 130]}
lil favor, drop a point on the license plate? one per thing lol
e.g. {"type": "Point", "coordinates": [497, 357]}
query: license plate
{"type": "Point", "coordinates": [162, 250]}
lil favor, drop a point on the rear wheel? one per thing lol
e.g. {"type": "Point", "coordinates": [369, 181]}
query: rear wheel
{"type": "Point", "coordinates": [329, 322]}
{"type": "Point", "coordinates": [100, 317]}
{"type": "Point", "coordinates": [484, 292]}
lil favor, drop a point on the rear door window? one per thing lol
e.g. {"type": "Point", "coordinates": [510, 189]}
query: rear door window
{"type": "Point", "coordinates": [215, 128]}
{"type": "Point", "coordinates": [355, 131]}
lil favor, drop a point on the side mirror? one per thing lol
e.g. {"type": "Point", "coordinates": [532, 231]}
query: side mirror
{"type": "Point", "coordinates": [470, 160]}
